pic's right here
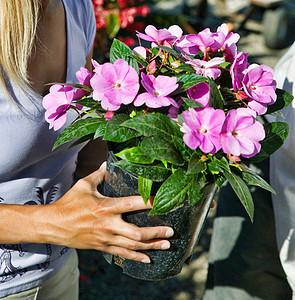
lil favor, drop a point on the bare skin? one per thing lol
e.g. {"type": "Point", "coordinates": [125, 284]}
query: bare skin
{"type": "Point", "coordinates": [82, 218]}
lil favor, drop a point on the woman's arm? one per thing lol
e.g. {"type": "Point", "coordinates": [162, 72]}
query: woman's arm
{"type": "Point", "coordinates": [84, 219]}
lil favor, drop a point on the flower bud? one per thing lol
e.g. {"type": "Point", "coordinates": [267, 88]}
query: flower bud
{"type": "Point", "coordinates": [203, 158]}
{"type": "Point", "coordinates": [109, 115]}
{"type": "Point", "coordinates": [241, 95]}
{"type": "Point", "coordinates": [233, 158]}
{"type": "Point", "coordinates": [152, 67]}
{"type": "Point", "coordinates": [175, 63]}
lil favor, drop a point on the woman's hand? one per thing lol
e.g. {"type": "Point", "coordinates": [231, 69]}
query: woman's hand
{"type": "Point", "coordinates": [85, 219]}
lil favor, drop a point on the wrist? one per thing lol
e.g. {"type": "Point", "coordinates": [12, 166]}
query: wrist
{"type": "Point", "coordinates": [47, 226]}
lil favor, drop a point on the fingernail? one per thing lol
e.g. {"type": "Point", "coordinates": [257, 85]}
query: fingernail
{"type": "Point", "coordinates": [165, 245]}
{"type": "Point", "coordinates": [169, 232]}
{"type": "Point", "coordinates": [146, 260]}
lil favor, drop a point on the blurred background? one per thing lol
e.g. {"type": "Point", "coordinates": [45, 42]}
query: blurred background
{"type": "Point", "coordinates": [267, 30]}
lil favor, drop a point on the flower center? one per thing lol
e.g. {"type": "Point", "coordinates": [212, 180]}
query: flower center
{"type": "Point", "coordinates": [252, 88]}
{"type": "Point", "coordinates": [203, 130]}
{"type": "Point", "coordinates": [116, 85]}
{"type": "Point", "coordinates": [235, 133]}
{"type": "Point", "coordinates": [156, 94]}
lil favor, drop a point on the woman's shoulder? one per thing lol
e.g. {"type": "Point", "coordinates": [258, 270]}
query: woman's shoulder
{"type": "Point", "coordinates": [82, 13]}
{"type": "Point", "coordinates": [81, 9]}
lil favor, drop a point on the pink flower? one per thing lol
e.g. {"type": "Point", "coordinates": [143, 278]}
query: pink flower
{"type": "Point", "coordinates": [84, 76]}
{"type": "Point", "coordinates": [96, 66]}
{"type": "Point", "coordinates": [173, 110]}
{"type": "Point", "coordinates": [260, 86]}
{"type": "Point", "coordinates": [115, 84]}
{"type": "Point", "coordinates": [241, 134]}
{"type": "Point", "coordinates": [186, 46]}
{"type": "Point", "coordinates": [158, 89]}
{"type": "Point", "coordinates": [139, 50]}
{"type": "Point", "coordinates": [207, 68]}
{"type": "Point", "coordinates": [56, 104]}
{"type": "Point", "coordinates": [207, 41]}
{"type": "Point", "coordinates": [156, 36]}
{"type": "Point", "coordinates": [202, 127]}
{"type": "Point", "coordinates": [239, 65]}
{"type": "Point", "coordinates": [229, 47]}
{"type": "Point", "coordinates": [200, 92]}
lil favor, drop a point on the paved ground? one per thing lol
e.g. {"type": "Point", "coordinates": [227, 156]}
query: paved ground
{"type": "Point", "coordinates": [104, 282]}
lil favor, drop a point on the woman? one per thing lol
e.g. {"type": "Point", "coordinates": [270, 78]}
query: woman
{"type": "Point", "coordinates": [42, 42]}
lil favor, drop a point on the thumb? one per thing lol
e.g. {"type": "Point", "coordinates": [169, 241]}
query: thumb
{"type": "Point", "coordinates": [97, 177]}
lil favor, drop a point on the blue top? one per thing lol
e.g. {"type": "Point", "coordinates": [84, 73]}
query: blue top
{"type": "Point", "coordinates": [30, 173]}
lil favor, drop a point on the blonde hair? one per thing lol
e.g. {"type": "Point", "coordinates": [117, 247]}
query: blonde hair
{"type": "Point", "coordinates": [18, 24]}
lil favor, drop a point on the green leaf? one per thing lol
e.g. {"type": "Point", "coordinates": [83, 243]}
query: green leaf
{"type": "Point", "coordinates": [195, 190]}
{"type": "Point", "coordinates": [180, 119]}
{"type": "Point", "coordinates": [144, 188]}
{"type": "Point", "coordinates": [283, 100]}
{"type": "Point", "coordinates": [154, 124]}
{"type": "Point", "coordinates": [196, 165]}
{"type": "Point", "coordinates": [214, 167]}
{"type": "Point", "coordinates": [216, 99]}
{"type": "Point", "coordinates": [185, 68]}
{"type": "Point", "coordinates": [135, 155]}
{"type": "Point", "coordinates": [79, 128]}
{"type": "Point", "coordinates": [100, 130]}
{"type": "Point", "coordinates": [278, 114]}
{"type": "Point", "coordinates": [187, 81]}
{"type": "Point", "coordinates": [219, 179]}
{"type": "Point", "coordinates": [159, 149]}
{"type": "Point", "coordinates": [172, 192]}
{"type": "Point", "coordinates": [185, 151]}
{"type": "Point", "coordinates": [191, 102]}
{"type": "Point", "coordinates": [225, 65]}
{"type": "Point", "coordinates": [222, 163]}
{"type": "Point", "coordinates": [140, 59]}
{"type": "Point", "coordinates": [90, 103]}
{"type": "Point", "coordinates": [254, 179]}
{"type": "Point", "coordinates": [275, 135]}
{"type": "Point", "coordinates": [117, 133]}
{"type": "Point", "coordinates": [112, 25]}
{"type": "Point", "coordinates": [121, 50]}
{"type": "Point", "coordinates": [171, 51]}
{"type": "Point", "coordinates": [242, 191]}
{"type": "Point", "coordinates": [75, 85]}
{"type": "Point", "coordinates": [156, 173]}
{"type": "Point", "coordinates": [82, 139]}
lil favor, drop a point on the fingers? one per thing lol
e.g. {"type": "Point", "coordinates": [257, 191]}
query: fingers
{"type": "Point", "coordinates": [128, 204]}
{"type": "Point", "coordinates": [127, 239]}
{"type": "Point", "coordinates": [128, 254]}
{"type": "Point", "coordinates": [129, 248]}
{"type": "Point", "coordinates": [136, 233]}
{"type": "Point", "coordinates": [97, 177]}
{"type": "Point", "coordinates": [133, 245]}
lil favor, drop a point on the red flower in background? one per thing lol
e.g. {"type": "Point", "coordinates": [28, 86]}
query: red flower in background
{"type": "Point", "coordinates": [111, 16]}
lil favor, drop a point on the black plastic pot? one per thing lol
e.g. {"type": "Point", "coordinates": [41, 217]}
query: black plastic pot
{"type": "Point", "coordinates": [187, 222]}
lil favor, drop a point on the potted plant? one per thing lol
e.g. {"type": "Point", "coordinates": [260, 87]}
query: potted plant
{"type": "Point", "coordinates": [181, 118]}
